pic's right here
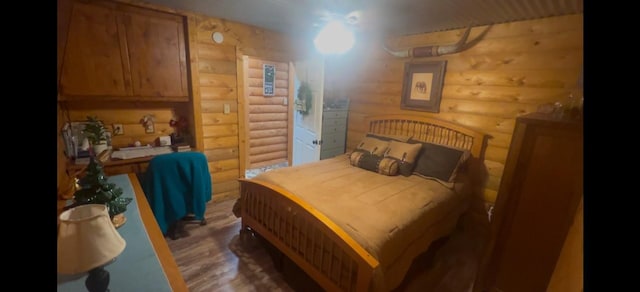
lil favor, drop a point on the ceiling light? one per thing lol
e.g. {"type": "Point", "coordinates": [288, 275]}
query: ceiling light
{"type": "Point", "coordinates": [334, 38]}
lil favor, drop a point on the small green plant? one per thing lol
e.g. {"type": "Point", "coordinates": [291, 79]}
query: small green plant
{"type": "Point", "coordinates": [94, 130]}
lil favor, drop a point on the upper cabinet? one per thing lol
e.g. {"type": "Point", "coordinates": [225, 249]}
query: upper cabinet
{"type": "Point", "coordinates": [120, 52]}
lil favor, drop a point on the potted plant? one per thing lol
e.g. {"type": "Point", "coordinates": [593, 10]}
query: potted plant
{"type": "Point", "coordinates": [94, 189]}
{"type": "Point", "coordinates": [95, 132]}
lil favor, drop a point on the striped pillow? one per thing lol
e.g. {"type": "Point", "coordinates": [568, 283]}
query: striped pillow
{"type": "Point", "coordinates": [379, 164]}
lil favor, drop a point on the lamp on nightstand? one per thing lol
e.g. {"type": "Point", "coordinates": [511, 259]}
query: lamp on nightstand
{"type": "Point", "coordinates": [87, 240]}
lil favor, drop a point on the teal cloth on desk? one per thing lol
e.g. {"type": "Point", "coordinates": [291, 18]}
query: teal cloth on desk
{"type": "Point", "coordinates": [137, 268]}
{"type": "Point", "coordinates": [176, 185]}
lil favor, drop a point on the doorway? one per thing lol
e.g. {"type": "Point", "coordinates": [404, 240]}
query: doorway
{"type": "Point", "coordinates": [266, 117]}
{"type": "Point", "coordinates": [307, 128]}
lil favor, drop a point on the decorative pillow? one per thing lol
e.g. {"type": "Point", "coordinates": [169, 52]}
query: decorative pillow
{"type": "Point", "coordinates": [373, 146]}
{"type": "Point", "coordinates": [440, 161]}
{"type": "Point", "coordinates": [379, 164]}
{"type": "Point", "coordinates": [388, 137]}
{"type": "Point", "coordinates": [405, 153]}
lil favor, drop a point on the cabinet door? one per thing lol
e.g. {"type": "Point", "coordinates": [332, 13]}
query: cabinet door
{"type": "Point", "coordinates": [156, 48]}
{"type": "Point", "coordinates": [535, 206]}
{"type": "Point", "coordinates": [94, 63]}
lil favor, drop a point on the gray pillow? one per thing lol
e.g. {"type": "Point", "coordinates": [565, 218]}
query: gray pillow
{"type": "Point", "coordinates": [438, 161]}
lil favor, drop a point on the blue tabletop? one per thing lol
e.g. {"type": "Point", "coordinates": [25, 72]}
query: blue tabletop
{"type": "Point", "coordinates": [138, 267]}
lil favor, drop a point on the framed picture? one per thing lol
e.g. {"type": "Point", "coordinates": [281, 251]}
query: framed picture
{"type": "Point", "coordinates": [422, 86]}
{"type": "Point", "coordinates": [269, 82]}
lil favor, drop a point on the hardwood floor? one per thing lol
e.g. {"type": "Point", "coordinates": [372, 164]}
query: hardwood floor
{"type": "Point", "coordinates": [211, 258]}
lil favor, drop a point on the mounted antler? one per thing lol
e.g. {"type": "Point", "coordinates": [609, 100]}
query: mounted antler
{"type": "Point", "coordinates": [433, 50]}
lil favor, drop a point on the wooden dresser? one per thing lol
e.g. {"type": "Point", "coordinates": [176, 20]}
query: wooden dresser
{"type": "Point", "coordinates": [334, 132]}
{"type": "Point", "coordinates": [540, 190]}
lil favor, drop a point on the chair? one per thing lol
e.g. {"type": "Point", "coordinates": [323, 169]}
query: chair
{"type": "Point", "coordinates": [178, 187]}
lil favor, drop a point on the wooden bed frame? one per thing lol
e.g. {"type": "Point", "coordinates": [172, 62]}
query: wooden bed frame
{"type": "Point", "coordinates": [316, 244]}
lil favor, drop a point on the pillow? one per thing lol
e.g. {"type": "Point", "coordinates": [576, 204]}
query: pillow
{"type": "Point", "coordinates": [439, 161]}
{"type": "Point", "coordinates": [388, 137]}
{"type": "Point", "coordinates": [373, 146]}
{"type": "Point", "coordinates": [405, 153]}
{"type": "Point", "coordinates": [379, 164]}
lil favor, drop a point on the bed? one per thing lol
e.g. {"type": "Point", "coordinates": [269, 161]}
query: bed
{"type": "Point", "coordinates": [354, 228]}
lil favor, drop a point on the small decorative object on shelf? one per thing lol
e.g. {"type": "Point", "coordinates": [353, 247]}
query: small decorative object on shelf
{"type": "Point", "coordinates": [180, 134]}
{"type": "Point", "coordinates": [147, 121]}
{"type": "Point", "coordinates": [94, 189]}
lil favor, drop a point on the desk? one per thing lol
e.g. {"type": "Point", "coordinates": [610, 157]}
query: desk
{"type": "Point", "coordinates": [115, 166]}
{"type": "Point", "coordinates": [146, 264]}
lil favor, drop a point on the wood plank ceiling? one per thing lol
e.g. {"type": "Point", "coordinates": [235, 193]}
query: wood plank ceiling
{"type": "Point", "coordinates": [381, 17]}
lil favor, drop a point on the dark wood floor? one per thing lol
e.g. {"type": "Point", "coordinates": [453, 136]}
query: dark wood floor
{"type": "Point", "coordinates": [211, 258]}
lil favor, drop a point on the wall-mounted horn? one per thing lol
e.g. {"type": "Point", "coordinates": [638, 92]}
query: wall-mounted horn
{"type": "Point", "coordinates": [432, 50]}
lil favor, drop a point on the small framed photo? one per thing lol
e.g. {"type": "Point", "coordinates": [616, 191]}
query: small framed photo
{"type": "Point", "coordinates": [269, 82]}
{"type": "Point", "coordinates": [422, 86]}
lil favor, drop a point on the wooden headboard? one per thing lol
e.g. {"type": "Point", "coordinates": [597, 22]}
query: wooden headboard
{"type": "Point", "coordinates": [429, 130]}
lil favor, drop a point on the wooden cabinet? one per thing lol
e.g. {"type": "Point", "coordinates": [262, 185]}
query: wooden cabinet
{"type": "Point", "coordinates": [537, 200]}
{"type": "Point", "coordinates": [122, 52]}
{"type": "Point", "coordinates": [334, 132]}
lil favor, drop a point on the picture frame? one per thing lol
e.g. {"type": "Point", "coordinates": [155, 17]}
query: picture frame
{"type": "Point", "coordinates": [422, 86]}
{"type": "Point", "coordinates": [269, 81]}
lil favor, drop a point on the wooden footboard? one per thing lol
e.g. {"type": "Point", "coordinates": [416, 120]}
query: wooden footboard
{"type": "Point", "coordinates": [315, 243]}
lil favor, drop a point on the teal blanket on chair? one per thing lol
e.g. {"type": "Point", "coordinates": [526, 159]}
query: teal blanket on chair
{"type": "Point", "coordinates": [176, 185]}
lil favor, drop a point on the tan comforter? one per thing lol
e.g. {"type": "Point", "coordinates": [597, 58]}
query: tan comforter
{"type": "Point", "coordinates": [392, 217]}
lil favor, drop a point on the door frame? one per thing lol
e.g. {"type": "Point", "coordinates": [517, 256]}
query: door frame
{"type": "Point", "coordinates": [242, 69]}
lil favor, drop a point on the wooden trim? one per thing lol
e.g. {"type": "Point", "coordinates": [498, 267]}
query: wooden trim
{"type": "Point", "coordinates": [196, 98]}
{"type": "Point", "coordinates": [242, 67]}
{"type": "Point", "coordinates": [291, 99]}
{"type": "Point", "coordinates": [158, 241]}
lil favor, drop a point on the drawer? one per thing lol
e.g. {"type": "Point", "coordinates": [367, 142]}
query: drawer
{"type": "Point", "coordinates": [328, 123]}
{"type": "Point", "coordinates": [333, 131]}
{"type": "Point", "coordinates": [334, 140]}
{"type": "Point", "coordinates": [331, 152]}
{"type": "Point", "coordinates": [334, 115]}
{"type": "Point", "coordinates": [120, 169]}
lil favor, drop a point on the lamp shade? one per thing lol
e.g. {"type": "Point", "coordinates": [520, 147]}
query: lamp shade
{"type": "Point", "coordinates": [87, 239]}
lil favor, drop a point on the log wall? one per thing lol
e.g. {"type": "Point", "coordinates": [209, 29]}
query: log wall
{"type": "Point", "coordinates": [267, 124]}
{"type": "Point", "coordinates": [512, 70]}
{"type": "Point", "coordinates": [218, 80]}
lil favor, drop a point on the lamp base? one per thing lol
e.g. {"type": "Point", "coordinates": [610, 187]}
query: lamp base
{"type": "Point", "coordinates": [98, 280]}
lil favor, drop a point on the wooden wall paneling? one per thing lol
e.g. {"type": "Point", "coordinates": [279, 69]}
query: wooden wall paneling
{"type": "Point", "coordinates": [512, 70]}
{"type": "Point", "coordinates": [221, 165]}
{"type": "Point", "coordinates": [220, 142]}
{"type": "Point", "coordinates": [219, 118]}
{"type": "Point", "coordinates": [263, 112]}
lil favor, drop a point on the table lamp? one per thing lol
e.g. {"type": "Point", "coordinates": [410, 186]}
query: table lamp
{"type": "Point", "coordinates": [87, 240]}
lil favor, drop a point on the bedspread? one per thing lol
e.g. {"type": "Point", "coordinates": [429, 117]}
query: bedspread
{"type": "Point", "coordinates": [390, 216]}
